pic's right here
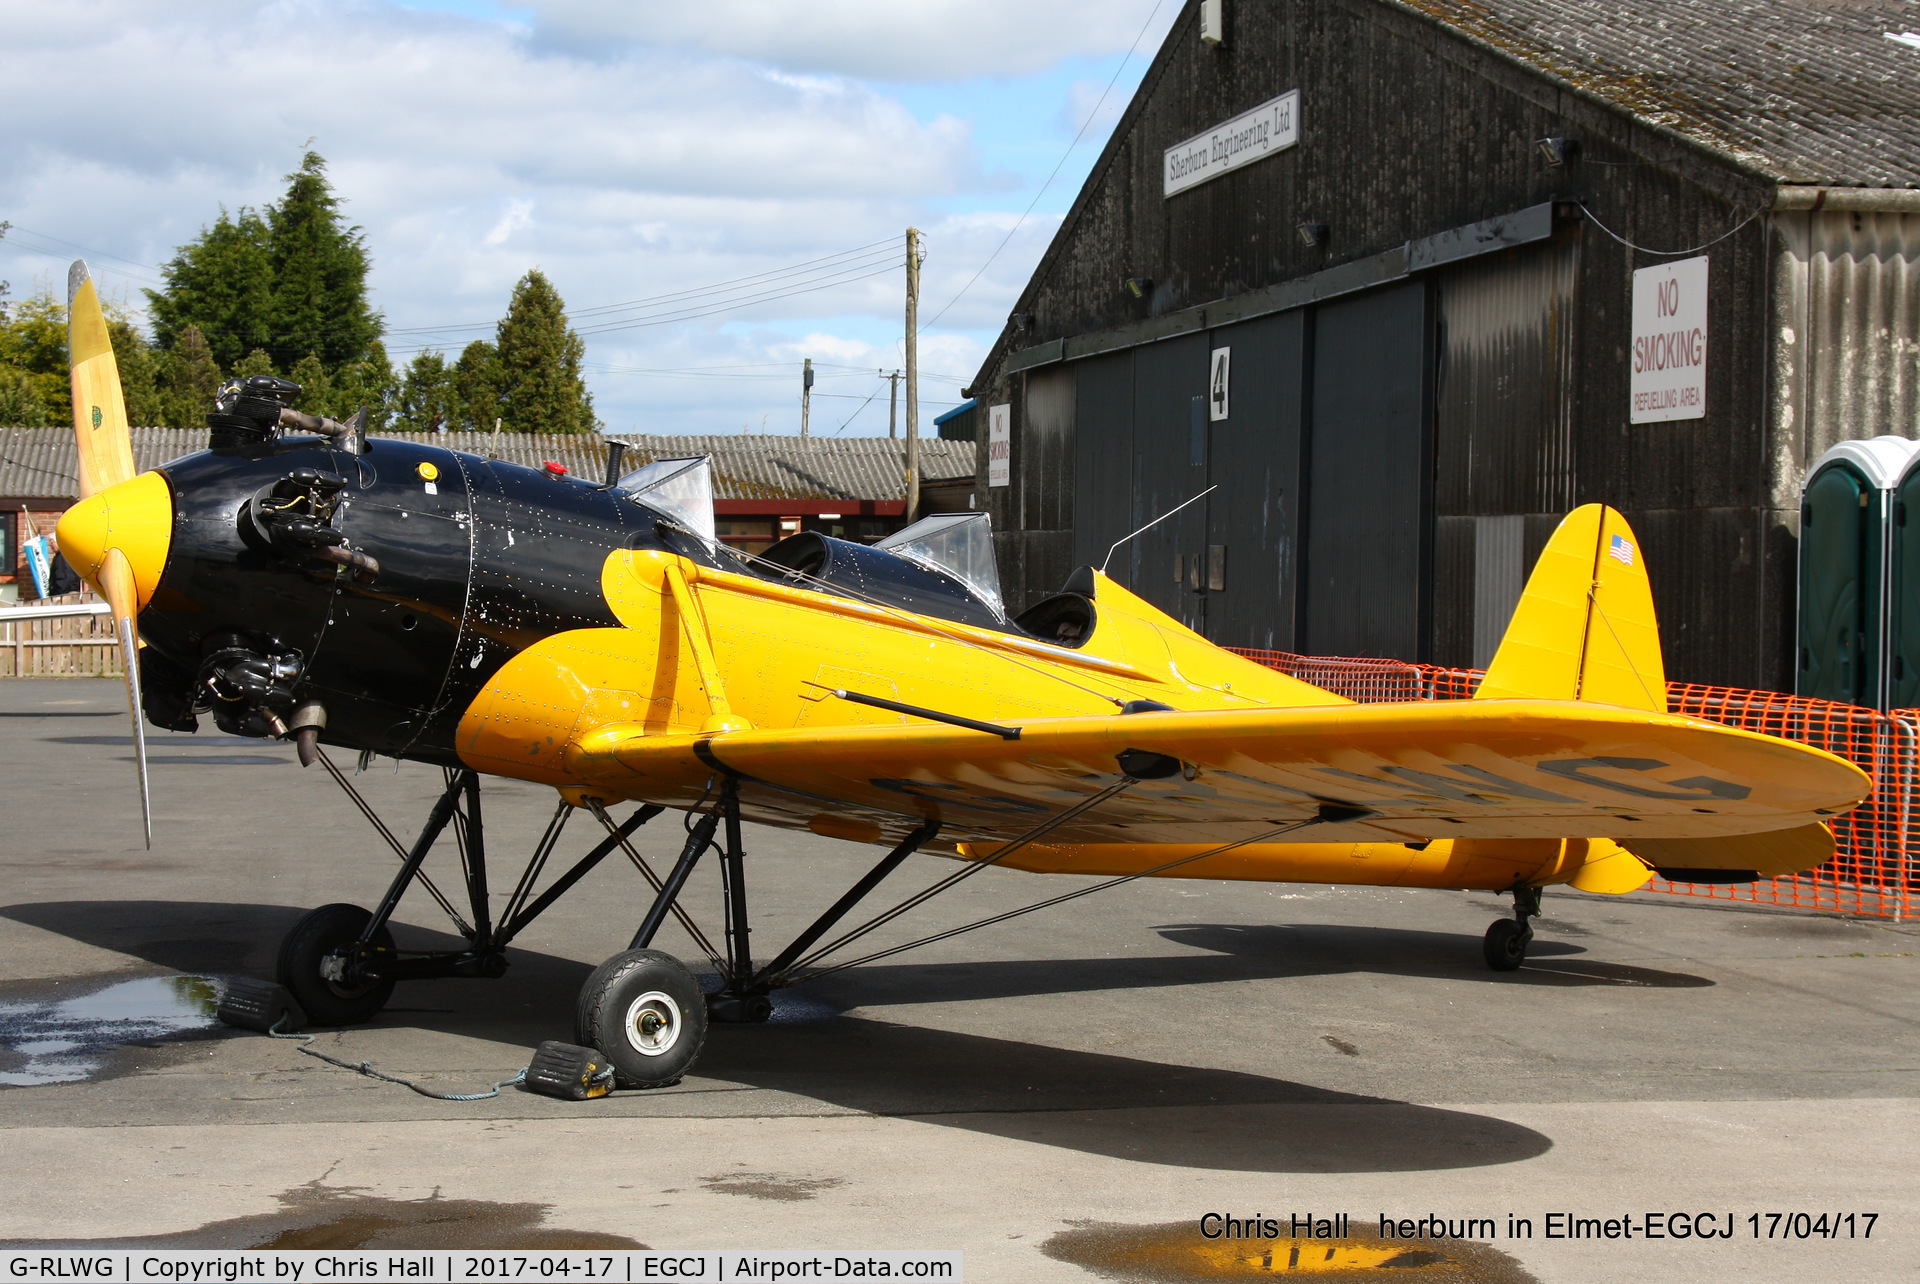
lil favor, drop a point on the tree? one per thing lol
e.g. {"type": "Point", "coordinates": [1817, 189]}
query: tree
{"type": "Point", "coordinates": [476, 387]}
{"type": "Point", "coordinates": [288, 281]}
{"type": "Point", "coordinates": [319, 272]}
{"type": "Point", "coordinates": [20, 404]}
{"type": "Point", "coordinates": [368, 382]}
{"type": "Point", "coordinates": [256, 362]}
{"type": "Point", "coordinates": [538, 363]}
{"type": "Point", "coordinates": [33, 352]}
{"type": "Point", "coordinates": [316, 390]}
{"type": "Point", "coordinates": [186, 381]}
{"type": "Point", "coordinates": [428, 399]}
{"type": "Point", "coordinates": [222, 283]}
{"type": "Point", "coordinates": [139, 372]}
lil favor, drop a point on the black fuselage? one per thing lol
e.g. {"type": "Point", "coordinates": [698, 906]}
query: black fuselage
{"type": "Point", "coordinates": [475, 565]}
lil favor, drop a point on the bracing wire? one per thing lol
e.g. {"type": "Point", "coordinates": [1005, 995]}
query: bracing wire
{"type": "Point", "coordinates": [1050, 902]}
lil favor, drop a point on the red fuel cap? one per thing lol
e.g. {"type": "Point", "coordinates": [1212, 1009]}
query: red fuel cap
{"type": "Point", "coordinates": [558, 470]}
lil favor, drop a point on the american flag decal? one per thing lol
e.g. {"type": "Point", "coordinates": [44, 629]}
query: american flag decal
{"type": "Point", "coordinates": [1621, 550]}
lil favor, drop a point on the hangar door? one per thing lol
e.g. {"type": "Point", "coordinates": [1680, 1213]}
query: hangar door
{"type": "Point", "coordinates": [1367, 548]}
{"type": "Point", "coordinates": [1224, 566]}
{"type": "Point", "coordinates": [1316, 536]}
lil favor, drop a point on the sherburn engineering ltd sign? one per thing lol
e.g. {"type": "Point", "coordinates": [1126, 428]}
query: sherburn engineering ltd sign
{"type": "Point", "coordinates": [1269, 128]}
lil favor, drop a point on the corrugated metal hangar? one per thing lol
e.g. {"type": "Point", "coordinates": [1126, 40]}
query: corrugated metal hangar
{"type": "Point", "coordinates": [1406, 281]}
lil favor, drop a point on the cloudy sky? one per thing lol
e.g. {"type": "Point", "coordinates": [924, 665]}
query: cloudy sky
{"type": "Point", "coordinates": [718, 189]}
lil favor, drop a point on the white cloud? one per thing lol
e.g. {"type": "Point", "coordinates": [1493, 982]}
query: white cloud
{"type": "Point", "coordinates": [519, 215]}
{"type": "Point", "coordinates": [470, 151]}
{"type": "Point", "coordinates": [884, 40]}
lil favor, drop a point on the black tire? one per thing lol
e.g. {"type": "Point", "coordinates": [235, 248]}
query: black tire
{"type": "Point", "coordinates": [314, 938]}
{"type": "Point", "coordinates": [646, 1014]}
{"type": "Point", "coordinates": [1506, 944]}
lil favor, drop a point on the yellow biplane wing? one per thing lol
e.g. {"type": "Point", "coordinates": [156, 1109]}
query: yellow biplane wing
{"type": "Point", "coordinates": [1506, 769]}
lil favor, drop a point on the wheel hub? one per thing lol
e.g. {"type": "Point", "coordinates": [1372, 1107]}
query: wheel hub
{"type": "Point", "coordinates": [653, 1023]}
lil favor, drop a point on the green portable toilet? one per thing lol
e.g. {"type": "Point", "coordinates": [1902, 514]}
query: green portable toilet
{"type": "Point", "coordinates": [1846, 518]}
{"type": "Point", "coordinates": [1903, 590]}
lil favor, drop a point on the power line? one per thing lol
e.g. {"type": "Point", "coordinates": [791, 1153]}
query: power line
{"type": "Point", "coordinates": [1056, 169]}
{"type": "Point", "coordinates": [879, 253]}
{"type": "Point", "coordinates": [84, 249]}
{"type": "Point", "coordinates": [856, 411]}
{"type": "Point", "coordinates": [695, 312]}
{"type": "Point", "coordinates": [716, 307]}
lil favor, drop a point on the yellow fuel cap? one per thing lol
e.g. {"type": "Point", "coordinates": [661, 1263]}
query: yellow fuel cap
{"type": "Point", "coordinates": [427, 471]}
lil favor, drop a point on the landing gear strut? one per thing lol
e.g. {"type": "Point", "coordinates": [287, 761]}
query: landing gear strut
{"type": "Point", "coordinates": [642, 1009]}
{"type": "Point", "coordinates": [1506, 943]}
{"type": "Point", "coordinates": [638, 1009]}
{"type": "Point", "coordinates": [340, 961]}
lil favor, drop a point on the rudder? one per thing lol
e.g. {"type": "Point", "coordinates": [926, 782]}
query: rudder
{"type": "Point", "coordinates": [1585, 628]}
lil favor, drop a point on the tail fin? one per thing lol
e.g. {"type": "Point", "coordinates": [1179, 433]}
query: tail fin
{"type": "Point", "coordinates": [1585, 628]}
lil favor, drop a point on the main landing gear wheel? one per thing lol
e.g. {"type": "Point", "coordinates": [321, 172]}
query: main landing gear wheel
{"type": "Point", "coordinates": [1507, 940]}
{"type": "Point", "coordinates": [646, 1013]}
{"type": "Point", "coordinates": [1506, 944]}
{"type": "Point", "coordinates": [313, 966]}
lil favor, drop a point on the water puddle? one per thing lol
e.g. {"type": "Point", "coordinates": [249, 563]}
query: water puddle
{"type": "Point", "coordinates": [1176, 1253]}
{"type": "Point", "coordinates": [47, 1040]}
{"type": "Point", "coordinates": [334, 1217]}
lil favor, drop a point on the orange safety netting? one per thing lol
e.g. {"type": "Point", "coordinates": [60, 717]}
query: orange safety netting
{"type": "Point", "coordinates": [1877, 865]}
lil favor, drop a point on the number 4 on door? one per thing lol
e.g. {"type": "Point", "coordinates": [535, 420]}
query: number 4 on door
{"type": "Point", "coordinates": [1217, 385]}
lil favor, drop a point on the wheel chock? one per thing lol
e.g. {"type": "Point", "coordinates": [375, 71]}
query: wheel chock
{"type": "Point", "coordinates": [569, 1072]}
{"type": "Point", "coordinates": [259, 1005]}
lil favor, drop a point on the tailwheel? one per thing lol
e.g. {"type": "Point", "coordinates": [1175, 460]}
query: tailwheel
{"type": "Point", "coordinates": [1506, 944]}
{"type": "Point", "coordinates": [646, 1013]}
{"type": "Point", "coordinates": [318, 967]}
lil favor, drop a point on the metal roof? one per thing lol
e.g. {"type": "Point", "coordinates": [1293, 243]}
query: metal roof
{"type": "Point", "coordinates": [1804, 91]}
{"type": "Point", "coordinates": [39, 462]}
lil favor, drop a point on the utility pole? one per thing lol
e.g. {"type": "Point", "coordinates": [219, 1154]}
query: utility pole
{"type": "Point", "coordinates": [806, 394]}
{"type": "Point", "coordinates": [893, 404]}
{"type": "Point", "coordinates": [913, 374]}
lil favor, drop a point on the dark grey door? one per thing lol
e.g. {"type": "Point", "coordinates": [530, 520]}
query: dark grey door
{"type": "Point", "coordinates": [1103, 460]}
{"type": "Point", "coordinates": [1170, 467]}
{"type": "Point", "coordinates": [1253, 518]}
{"type": "Point", "coordinates": [1369, 475]}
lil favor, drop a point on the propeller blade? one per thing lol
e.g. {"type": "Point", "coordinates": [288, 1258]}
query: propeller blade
{"type": "Point", "coordinates": [99, 409]}
{"type": "Point", "coordinates": [105, 452]}
{"type": "Point", "coordinates": [117, 585]}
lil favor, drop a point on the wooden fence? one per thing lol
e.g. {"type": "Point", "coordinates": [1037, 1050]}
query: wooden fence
{"type": "Point", "coordinates": [63, 637]}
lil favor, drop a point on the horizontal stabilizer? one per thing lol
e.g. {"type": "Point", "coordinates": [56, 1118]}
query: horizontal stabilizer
{"type": "Point", "coordinates": [1768, 855]}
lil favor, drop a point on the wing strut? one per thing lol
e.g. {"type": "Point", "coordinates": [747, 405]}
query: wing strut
{"type": "Point", "coordinates": [1330, 813]}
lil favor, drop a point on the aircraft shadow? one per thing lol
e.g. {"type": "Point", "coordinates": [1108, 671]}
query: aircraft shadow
{"type": "Point", "coordinates": [1096, 1103]}
{"type": "Point", "coordinates": [1122, 1107]}
{"type": "Point", "coordinates": [1240, 952]}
